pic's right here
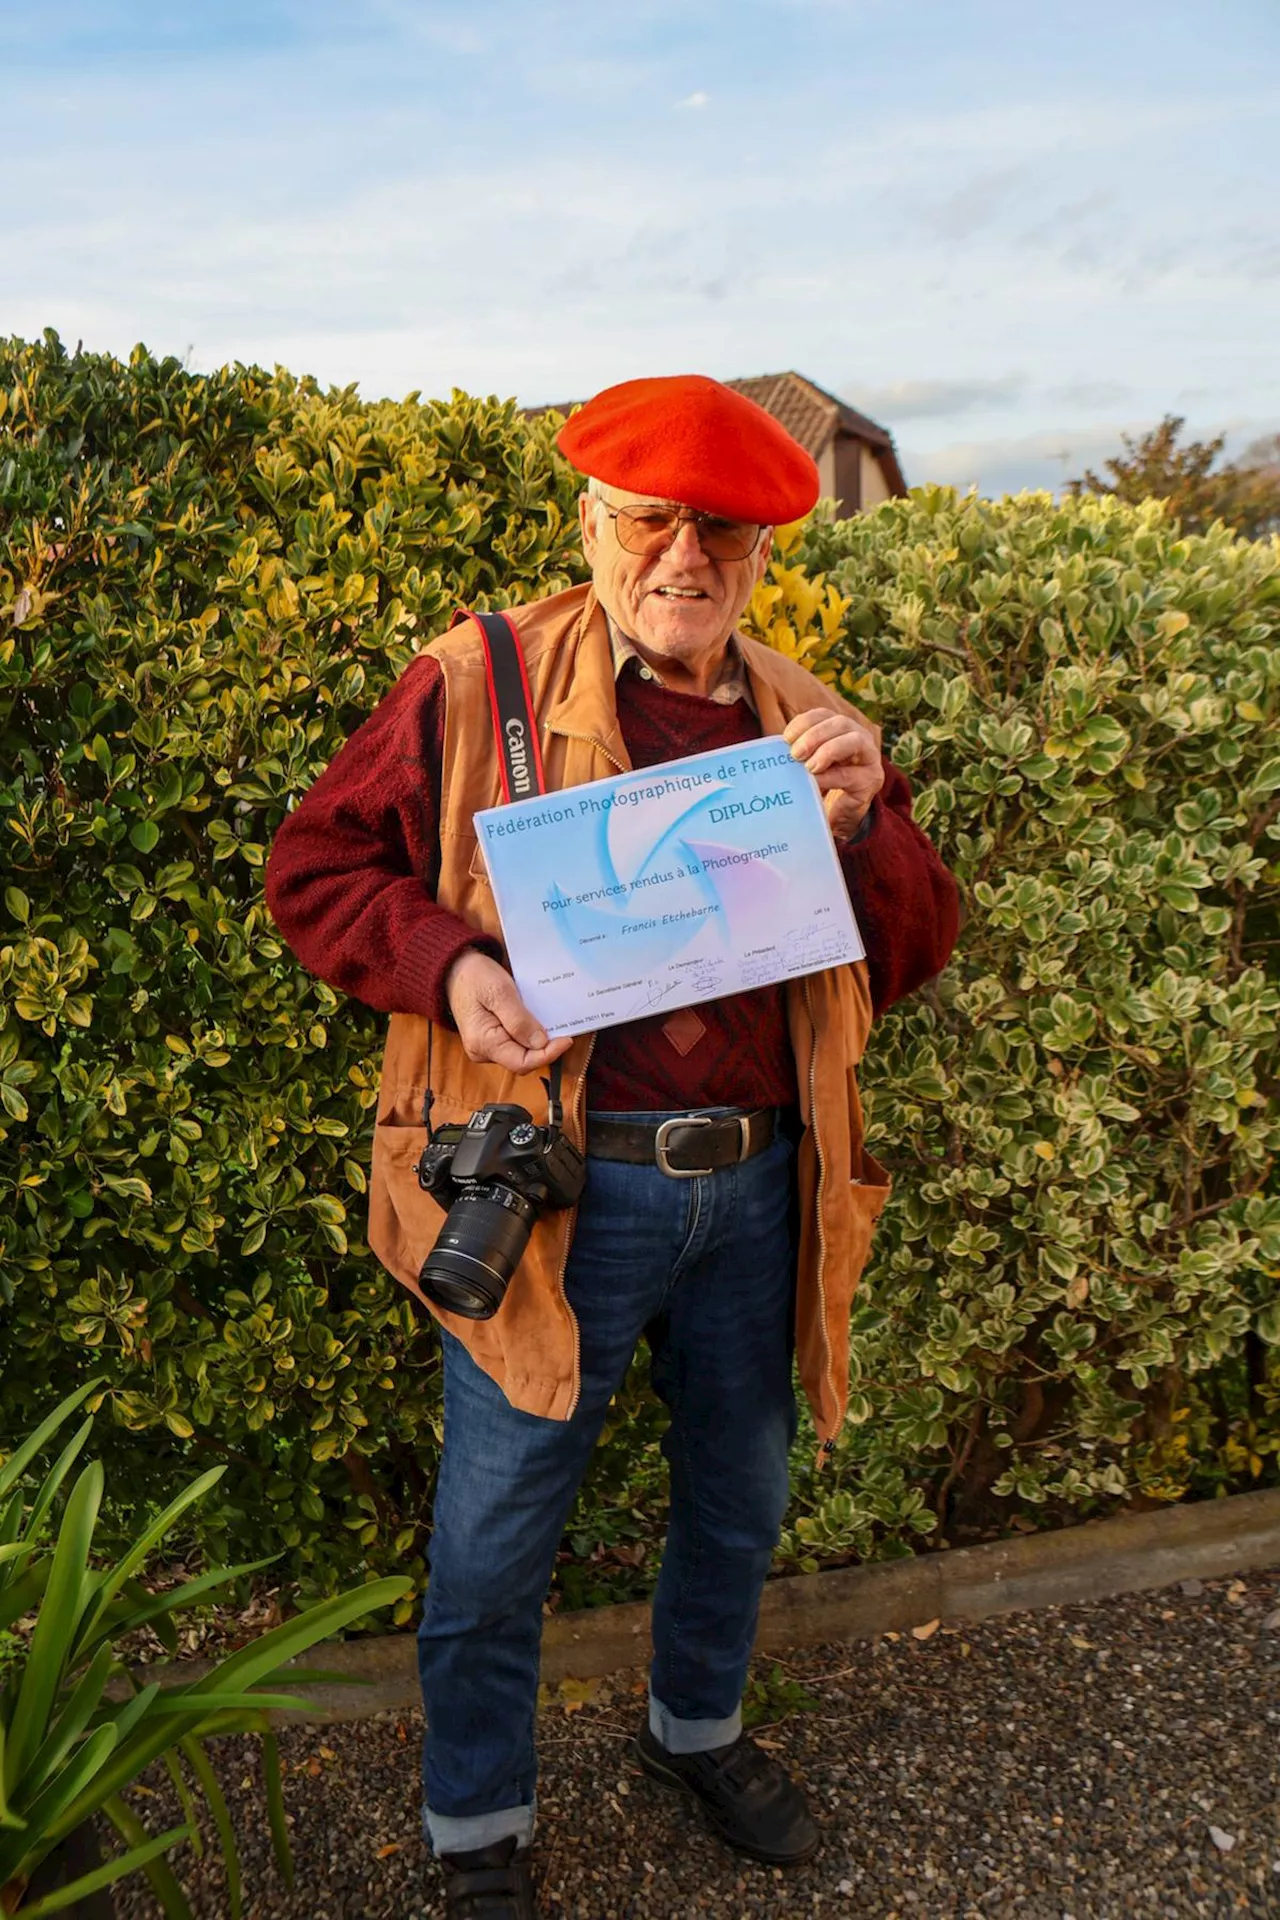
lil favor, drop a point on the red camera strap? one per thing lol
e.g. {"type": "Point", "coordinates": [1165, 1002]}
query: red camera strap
{"type": "Point", "coordinates": [515, 730]}
{"type": "Point", "coordinates": [515, 733]}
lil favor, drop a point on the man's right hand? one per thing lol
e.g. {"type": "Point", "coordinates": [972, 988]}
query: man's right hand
{"type": "Point", "coordinates": [492, 1020]}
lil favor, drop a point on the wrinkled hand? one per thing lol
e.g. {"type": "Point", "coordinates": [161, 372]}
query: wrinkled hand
{"type": "Point", "coordinates": [842, 755]}
{"type": "Point", "coordinates": [492, 1020]}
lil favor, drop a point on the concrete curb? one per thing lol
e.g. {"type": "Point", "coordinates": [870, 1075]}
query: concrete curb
{"type": "Point", "coordinates": [1130, 1554]}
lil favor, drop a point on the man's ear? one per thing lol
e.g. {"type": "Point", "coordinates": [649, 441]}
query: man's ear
{"type": "Point", "coordinates": [764, 553]}
{"type": "Point", "coordinates": [587, 522]}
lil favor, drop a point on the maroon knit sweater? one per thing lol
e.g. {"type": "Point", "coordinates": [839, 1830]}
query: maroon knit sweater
{"type": "Point", "coordinates": [352, 876]}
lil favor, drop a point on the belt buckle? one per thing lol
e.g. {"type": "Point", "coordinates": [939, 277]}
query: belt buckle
{"type": "Point", "coordinates": [662, 1138]}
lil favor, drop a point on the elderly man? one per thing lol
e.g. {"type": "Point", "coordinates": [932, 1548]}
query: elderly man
{"type": "Point", "coordinates": [377, 882]}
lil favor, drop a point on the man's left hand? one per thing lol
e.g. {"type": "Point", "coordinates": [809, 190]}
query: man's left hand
{"type": "Point", "coordinates": [842, 755]}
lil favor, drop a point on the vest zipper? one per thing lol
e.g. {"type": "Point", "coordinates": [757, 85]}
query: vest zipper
{"type": "Point", "coordinates": [828, 1446]}
{"type": "Point", "coordinates": [589, 740]}
{"type": "Point", "coordinates": [578, 1092]}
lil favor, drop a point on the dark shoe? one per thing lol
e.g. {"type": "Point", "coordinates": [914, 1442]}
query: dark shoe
{"type": "Point", "coordinates": [751, 1801]}
{"type": "Point", "coordinates": [492, 1883]}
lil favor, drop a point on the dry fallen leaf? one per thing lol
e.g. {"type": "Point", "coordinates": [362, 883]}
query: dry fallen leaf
{"type": "Point", "coordinates": [575, 1694]}
{"type": "Point", "coordinates": [927, 1631]}
{"type": "Point", "coordinates": [327, 1753]}
{"type": "Point", "coordinates": [392, 1846]}
{"type": "Point", "coordinates": [965, 1649]}
{"type": "Point", "coordinates": [1078, 1640]}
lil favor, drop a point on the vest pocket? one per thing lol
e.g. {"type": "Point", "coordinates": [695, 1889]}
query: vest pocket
{"type": "Point", "coordinates": [403, 1220]}
{"type": "Point", "coordinates": [865, 1200]}
{"type": "Point", "coordinates": [876, 1181]}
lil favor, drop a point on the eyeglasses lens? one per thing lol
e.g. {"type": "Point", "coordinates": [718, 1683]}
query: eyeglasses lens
{"type": "Point", "coordinates": [651, 530]}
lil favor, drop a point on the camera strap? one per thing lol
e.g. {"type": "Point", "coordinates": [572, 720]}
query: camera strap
{"type": "Point", "coordinates": [515, 733]}
{"type": "Point", "coordinates": [514, 728]}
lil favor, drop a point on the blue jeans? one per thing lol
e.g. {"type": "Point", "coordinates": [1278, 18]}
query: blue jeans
{"type": "Point", "coordinates": [706, 1268]}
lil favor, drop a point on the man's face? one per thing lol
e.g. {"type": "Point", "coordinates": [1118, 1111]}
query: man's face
{"type": "Point", "coordinates": [678, 605]}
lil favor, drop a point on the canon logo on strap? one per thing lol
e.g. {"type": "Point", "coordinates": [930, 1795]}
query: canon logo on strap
{"type": "Point", "coordinates": [515, 730]}
{"type": "Point", "coordinates": [518, 758]}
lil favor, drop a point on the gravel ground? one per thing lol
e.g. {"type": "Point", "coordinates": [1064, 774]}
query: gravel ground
{"type": "Point", "coordinates": [1106, 1762]}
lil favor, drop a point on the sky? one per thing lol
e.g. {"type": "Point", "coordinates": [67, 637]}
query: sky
{"type": "Point", "coordinates": [1011, 233]}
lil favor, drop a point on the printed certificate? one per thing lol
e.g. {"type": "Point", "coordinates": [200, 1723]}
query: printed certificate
{"type": "Point", "coordinates": [655, 890]}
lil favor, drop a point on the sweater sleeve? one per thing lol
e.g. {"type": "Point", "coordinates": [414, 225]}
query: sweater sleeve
{"type": "Point", "coordinates": [353, 870]}
{"type": "Point", "coordinates": [906, 903]}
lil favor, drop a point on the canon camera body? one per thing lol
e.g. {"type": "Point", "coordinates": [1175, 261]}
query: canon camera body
{"type": "Point", "coordinates": [495, 1175]}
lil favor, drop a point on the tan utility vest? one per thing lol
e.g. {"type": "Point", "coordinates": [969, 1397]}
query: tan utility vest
{"type": "Point", "coordinates": [530, 1346]}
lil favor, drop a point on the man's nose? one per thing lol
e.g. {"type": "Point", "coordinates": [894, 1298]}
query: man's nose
{"type": "Point", "coordinates": [686, 546]}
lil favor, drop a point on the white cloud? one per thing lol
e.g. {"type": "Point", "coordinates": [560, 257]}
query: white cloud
{"type": "Point", "coordinates": [1088, 393]}
{"type": "Point", "coordinates": [930, 399]}
{"type": "Point", "coordinates": [1008, 464]}
{"type": "Point", "coordinates": [698, 99]}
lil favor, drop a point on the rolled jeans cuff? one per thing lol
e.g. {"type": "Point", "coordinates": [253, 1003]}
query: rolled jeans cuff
{"type": "Point", "coordinates": [691, 1736]}
{"type": "Point", "coordinates": [464, 1833]}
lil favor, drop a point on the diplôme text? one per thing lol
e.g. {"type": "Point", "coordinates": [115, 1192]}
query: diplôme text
{"type": "Point", "coordinates": [527, 821]}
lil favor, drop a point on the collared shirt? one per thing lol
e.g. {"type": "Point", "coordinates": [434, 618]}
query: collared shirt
{"type": "Point", "coordinates": [732, 684]}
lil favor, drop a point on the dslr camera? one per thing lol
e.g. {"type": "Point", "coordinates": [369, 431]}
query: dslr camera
{"type": "Point", "coordinates": [495, 1175]}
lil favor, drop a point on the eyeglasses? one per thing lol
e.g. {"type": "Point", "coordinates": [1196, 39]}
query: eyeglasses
{"type": "Point", "coordinates": [651, 530]}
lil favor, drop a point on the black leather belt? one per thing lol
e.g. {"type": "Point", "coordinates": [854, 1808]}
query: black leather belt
{"type": "Point", "coordinates": [691, 1144]}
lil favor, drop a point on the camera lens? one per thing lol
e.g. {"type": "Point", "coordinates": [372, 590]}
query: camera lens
{"type": "Point", "coordinates": [478, 1249]}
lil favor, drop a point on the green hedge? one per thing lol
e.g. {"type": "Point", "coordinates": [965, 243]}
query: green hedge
{"type": "Point", "coordinates": [1075, 1296]}
{"type": "Point", "coordinates": [204, 583]}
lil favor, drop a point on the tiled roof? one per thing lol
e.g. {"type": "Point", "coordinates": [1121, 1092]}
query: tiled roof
{"type": "Point", "coordinates": [811, 415]}
{"type": "Point", "coordinates": [808, 412]}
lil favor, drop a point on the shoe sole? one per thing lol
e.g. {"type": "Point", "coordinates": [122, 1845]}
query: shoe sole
{"type": "Point", "coordinates": [665, 1778]}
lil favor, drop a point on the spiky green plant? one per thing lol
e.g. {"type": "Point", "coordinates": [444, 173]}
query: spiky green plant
{"type": "Point", "coordinates": [75, 1727]}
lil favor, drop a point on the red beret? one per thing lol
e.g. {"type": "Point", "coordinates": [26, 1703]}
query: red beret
{"type": "Point", "coordinates": [691, 439]}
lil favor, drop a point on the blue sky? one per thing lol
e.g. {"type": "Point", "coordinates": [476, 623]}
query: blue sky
{"type": "Point", "coordinates": [1009, 232]}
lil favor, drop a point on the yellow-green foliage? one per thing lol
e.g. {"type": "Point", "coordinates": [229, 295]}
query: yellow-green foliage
{"type": "Point", "coordinates": [797, 612]}
{"type": "Point", "coordinates": [204, 584]}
